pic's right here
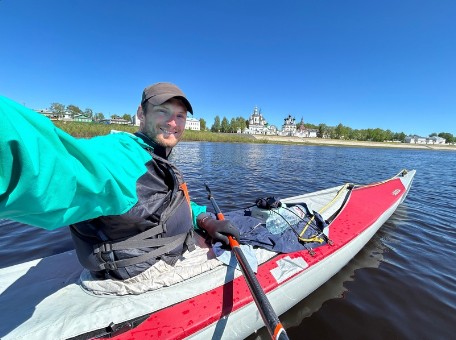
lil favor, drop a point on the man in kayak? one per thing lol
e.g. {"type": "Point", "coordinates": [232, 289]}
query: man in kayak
{"type": "Point", "coordinates": [127, 205]}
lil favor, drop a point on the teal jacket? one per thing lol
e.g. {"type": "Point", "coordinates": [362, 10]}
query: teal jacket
{"type": "Point", "coordinates": [50, 179]}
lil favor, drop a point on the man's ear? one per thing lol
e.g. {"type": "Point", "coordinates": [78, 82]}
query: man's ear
{"type": "Point", "coordinates": [140, 113]}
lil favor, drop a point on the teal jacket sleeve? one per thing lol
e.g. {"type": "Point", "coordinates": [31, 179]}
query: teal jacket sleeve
{"type": "Point", "coordinates": [196, 210]}
{"type": "Point", "coordinates": [51, 179]}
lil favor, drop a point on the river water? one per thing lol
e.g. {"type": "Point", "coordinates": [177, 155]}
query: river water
{"type": "Point", "coordinates": [402, 285]}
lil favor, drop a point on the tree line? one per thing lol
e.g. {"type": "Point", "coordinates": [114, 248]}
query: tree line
{"type": "Point", "coordinates": [60, 110]}
{"type": "Point", "coordinates": [347, 133]}
{"type": "Point", "coordinates": [231, 126]}
{"type": "Point", "coordinates": [325, 131]}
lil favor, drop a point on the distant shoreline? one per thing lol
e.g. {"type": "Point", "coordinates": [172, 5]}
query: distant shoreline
{"type": "Point", "coordinates": [363, 144]}
{"type": "Point", "coordinates": [88, 130]}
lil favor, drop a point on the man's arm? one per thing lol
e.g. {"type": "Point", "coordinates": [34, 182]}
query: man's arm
{"type": "Point", "coordinates": [51, 179]}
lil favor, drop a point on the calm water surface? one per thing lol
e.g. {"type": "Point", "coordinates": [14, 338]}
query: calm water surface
{"type": "Point", "coordinates": [402, 285]}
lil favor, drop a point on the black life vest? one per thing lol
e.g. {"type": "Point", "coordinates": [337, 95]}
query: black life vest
{"type": "Point", "coordinates": [158, 226]}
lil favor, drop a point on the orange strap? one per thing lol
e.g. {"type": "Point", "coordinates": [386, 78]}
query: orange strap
{"type": "Point", "coordinates": [184, 188]}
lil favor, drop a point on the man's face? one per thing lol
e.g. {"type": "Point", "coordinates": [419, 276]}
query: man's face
{"type": "Point", "coordinates": [165, 123]}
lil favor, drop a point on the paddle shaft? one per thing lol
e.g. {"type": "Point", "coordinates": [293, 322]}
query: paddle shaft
{"type": "Point", "coordinates": [268, 315]}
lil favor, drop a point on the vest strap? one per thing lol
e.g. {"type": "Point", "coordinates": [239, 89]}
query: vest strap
{"type": "Point", "coordinates": [190, 241]}
{"type": "Point", "coordinates": [134, 244]}
{"type": "Point", "coordinates": [184, 188]}
{"type": "Point", "coordinates": [148, 233]}
{"type": "Point", "coordinates": [112, 265]}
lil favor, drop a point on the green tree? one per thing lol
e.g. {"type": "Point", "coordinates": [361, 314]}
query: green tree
{"type": "Point", "coordinates": [330, 131]}
{"type": "Point", "coordinates": [58, 109]}
{"type": "Point", "coordinates": [357, 135]}
{"type": "Point", "coordinates": [400, 137]}
{"type": "Point", "coordinates": [98, 116]}
{"type": "Point", "coordinates": [73, 110]}
{"type": "Point", "coordinates": [339, 131]}
{"type": "Point", "coordinates": [242, 123]}
{"type": "Point", "coordinates": [449, 138]}
{"type": "Point", "coordinates": [377, 135]}
{"type": "Point", "coordinates": [350, 133]}
{"type": "Point", "coordinates": [216, 126]}
{"type": "Point", "coordinates": [389, 135]}
{"type": "Point", "coordinates": [311, 126]}
{"type": "Point", "coordinates": [202, 124]}
{"type": "Point", "coordinates": [127, 117]}
{"type": "Point", "coordinates": [322, 130]}
{"type": "Point", "coordinates": [225, 126]}
{"type": "Point", "coordinates": [233, 126]}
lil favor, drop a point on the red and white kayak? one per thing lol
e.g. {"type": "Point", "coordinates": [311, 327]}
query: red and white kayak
{"type": "Point", "coordinates": [45, 300]}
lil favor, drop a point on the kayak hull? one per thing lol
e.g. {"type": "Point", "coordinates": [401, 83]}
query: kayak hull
{"type": "Point", "coordinates": [44, 298]}
{"type": "Point", "coordinates": [232, 309]}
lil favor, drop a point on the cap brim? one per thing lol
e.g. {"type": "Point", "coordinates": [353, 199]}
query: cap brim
{"type": "Point", "coordinates": [161, 98]}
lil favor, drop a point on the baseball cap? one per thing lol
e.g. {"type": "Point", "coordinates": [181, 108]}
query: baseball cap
{"type": "Point", "coordinates": [159, 93]}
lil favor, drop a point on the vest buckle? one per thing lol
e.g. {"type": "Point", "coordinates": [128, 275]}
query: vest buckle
{"type": "Point", "coordinates": [108, 266]}
{"type": "Point", "coordinates": [103, 248]}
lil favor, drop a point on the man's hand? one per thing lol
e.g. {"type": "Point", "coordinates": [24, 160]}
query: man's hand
{"type": "Point", "coordinates": [217, 229]}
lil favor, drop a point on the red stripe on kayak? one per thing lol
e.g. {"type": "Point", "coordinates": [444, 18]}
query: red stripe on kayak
{"type": "Point", "coordinates": [364, 207]}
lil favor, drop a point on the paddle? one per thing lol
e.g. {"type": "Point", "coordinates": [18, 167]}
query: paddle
{"type": "Point", "coordinates": [268, 315]}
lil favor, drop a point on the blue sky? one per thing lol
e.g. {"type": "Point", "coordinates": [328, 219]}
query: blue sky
{"type": "Point", "coordinates": [366, 64]}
